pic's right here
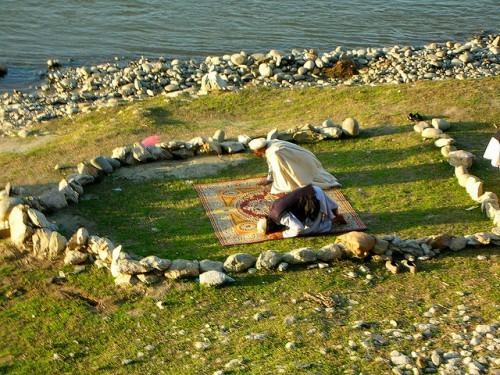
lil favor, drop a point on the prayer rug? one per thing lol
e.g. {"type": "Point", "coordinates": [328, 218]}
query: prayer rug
{"type": "Point", "coordinates": [234, 207]}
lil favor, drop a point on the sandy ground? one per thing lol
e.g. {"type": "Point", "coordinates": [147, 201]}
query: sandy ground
{"type": "Point", "coordinates": [199, 166]}
{"type": "Point", "coordinates": [19, 145]}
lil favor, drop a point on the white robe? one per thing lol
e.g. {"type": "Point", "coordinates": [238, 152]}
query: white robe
{"type": "Point", "coordinates": [291, 167]}
{"type": "Point", "coordinates": [492, 151]}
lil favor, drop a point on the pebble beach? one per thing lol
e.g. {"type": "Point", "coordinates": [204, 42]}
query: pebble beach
{"type": "Point", "coordinates": [70, 91]}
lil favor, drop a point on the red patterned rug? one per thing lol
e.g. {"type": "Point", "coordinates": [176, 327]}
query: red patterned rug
{"type": "Point", "coordinates": [234, 207]}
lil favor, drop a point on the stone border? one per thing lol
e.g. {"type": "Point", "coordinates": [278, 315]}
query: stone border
{"type": "Point", "coordinates": [23, 221]}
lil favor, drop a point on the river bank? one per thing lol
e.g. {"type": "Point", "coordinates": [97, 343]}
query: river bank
{"type": "Point", "coordinates": [69, 91]}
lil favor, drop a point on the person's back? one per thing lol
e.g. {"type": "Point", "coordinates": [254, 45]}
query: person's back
{"type": "Point", "coordinates": [292, 166]}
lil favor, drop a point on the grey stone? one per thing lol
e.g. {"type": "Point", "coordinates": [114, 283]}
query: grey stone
{"type": "Point", "coordinates": [329, 253]}
{"type": "Point", "coordinates": [268, 260]}
{"type": "Point", "coordinates": [239, 262]}
{"type": "Point", "coordinates": [214, 278]}
{"type": "Point", "coordinates": [181, 268]}
{"type": "Point", "coordinates": [303, 255]}
{"type": "Point", "coordinates": [350, 127]}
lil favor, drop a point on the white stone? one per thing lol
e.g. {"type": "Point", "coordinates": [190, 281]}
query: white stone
{"type": "Point", "coordinates": [214, 278]}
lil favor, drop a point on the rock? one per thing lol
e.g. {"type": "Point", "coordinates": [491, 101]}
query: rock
{"type": "Point", "coordinates": [101, 163]}
{"type": "Point", "coordinates": [458, 243]}
{"type": "Point", "coordinates": [214, 278]}
{"type": "Point", "coordinates": [20, 231]}
{"type": "Point", "coordinates": [53, 200]}
{"type": "Point", "coordinates": [69, 193]}
{"type": "Point", "coordinates": [350, 127]}
{"type": "Point", "coordinates": [41, 241]}
{"type": "Point", "coordinates": [272, 134]}
{"type": "Point", "coordinates": [80, 179]}
{"type": "Point", "coordinates": [333, 132]}
{"type": "Point", "coordinates": [474, 187]}
{"type": "Point", "coordinates": [381, 246]}
{"type": "Point", "coordinates": [213, 81]}
{"type": "Point", "coordinates": [219, 136]}
{"type": "Point", "coordinates": [120, 153]}
{"type": "Point", "coordinates": [303, 255]}
{"type": "Point", "coordinates": [57, 244]}
{"type": "Point", "coordinates": [431, 133]}
{"type": "Point", "coordinates": [141, 153]}
{"type": "Point", "coordinates": [460, 158]}
{"type": "Point", "coordinates": [156, 263]}
{"type": "Point", "coordinates": [445, 151]}
{"type": "Point", "coordinates": [440, 242]}
{"type": "Point", "coordinates": [75, 257]}
{"type": "Point", "coordinates": [419, 127]}
{"type": "Point", "coordinates": [443, 142]}
{"type": "Point", "coordinates": [148, 278]}
{"type": "Point", "coordinates": [265, 70]}
{"type": "Point", "coordinates": [441, 124]}
{"type": "Point", "coordinates": [181, 268]}
{"type": "Point", "coordinates": [89, 169]}
{"type": "Point", "coordinates": [239, 262]}
{"type": "Point", "coordinates": [126, 280]}
{"type": "Point", "coordinates": [244, 139]}
{"type": "Point", "coordinates": [268, 260]}
{"type": "Point", "coordinates": [306, 136]}
{"type": "Point", "coordinates": [79, 240]}
{"type": "Point", "coordinates": [329, 253]}
{"type": "Point", "coordinates": [38, 219]}
{"type": "Point", "coordinates": [6, 206]}
{"type": "Point", "coordinates": [211, 265]}
{"type": "Point", "coordinates": [232, 147]}
{"type": "Point", "coordinates": [358, 244]}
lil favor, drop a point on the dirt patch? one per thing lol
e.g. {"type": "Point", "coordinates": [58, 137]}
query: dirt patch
{"type": "Point", "coordinates": [18, 145]}
{"type": "Point", "coordinates": [200, 166]}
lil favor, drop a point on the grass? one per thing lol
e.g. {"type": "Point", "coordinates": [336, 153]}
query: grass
{"type": "Point", "coordinates": [397, 182]}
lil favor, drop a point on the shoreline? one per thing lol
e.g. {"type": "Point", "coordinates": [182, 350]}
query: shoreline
{"type": "Point", "coordinates": [73, 90]}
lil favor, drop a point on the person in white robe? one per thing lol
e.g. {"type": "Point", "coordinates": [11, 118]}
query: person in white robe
{"type": "Point", "coordinates": [305, 211]}
{"type": "Point", "coordinates": [291, 166]}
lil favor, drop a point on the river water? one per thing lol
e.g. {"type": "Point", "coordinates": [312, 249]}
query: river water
{"type": "Point", "coordinates": [95, 31]}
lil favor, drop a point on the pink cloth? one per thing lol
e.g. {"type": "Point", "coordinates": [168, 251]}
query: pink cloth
{"type": "Point", "coordinates": [151, 140]}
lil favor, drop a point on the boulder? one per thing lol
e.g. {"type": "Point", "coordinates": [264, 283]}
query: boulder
{"type": "Point", "coordinates": [239, 262]}
{"type": "Point", "coordinates": [181, 268]}
{"type": "Point", "coordinates": [214, 278]}
{"type": "Point", "coordinates": [431, 133]}
{"type": "Point", "coordinates": [358, 244]}
{"type": "Point", "coordinates": [441, 124]}
{"type": "Point", "coordinates": [53, 200]}
{"type": "Point", "coordinates": [303, 255]}
{"type": "Point", "coordinates": [20, 230]}
{"type": "Point", "coordinates": [350, 127]}
{"type": "Point", "coordinates": [461, 157]}
{"type": "Point", "coordinates": [41, 243]}
{"type": "Point", "coordinates": [329, 253]}
{"type": "Point", "coordinates": [156, 263]}
{"type": "Point", "coordinates": [268, 260]}
{"type": "Point", "coordinates": [6, 206]}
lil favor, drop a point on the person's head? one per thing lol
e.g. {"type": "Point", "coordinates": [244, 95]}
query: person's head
{"type": "Point", "coordinates": [258, 146]}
